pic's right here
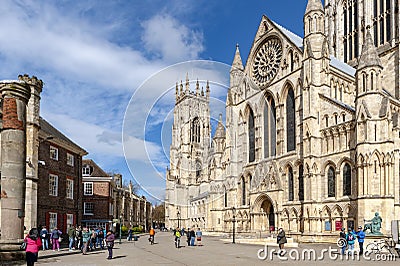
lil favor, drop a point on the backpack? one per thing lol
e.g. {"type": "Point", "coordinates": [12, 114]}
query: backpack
{"type": "Point", "coordinates": [350, 237]}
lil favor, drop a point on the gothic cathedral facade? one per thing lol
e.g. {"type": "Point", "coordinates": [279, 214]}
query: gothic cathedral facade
{"type": "Point", "coordinates": [312, 135]}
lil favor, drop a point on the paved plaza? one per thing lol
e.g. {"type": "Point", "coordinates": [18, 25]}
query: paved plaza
{"type": "Point", "coordinates": [214, 252]}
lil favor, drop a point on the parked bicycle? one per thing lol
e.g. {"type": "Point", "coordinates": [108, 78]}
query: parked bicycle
{"type": "Point", "coordinates": [381, 246]}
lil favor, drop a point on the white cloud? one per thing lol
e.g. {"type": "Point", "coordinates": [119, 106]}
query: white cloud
{"type": "Point", "coordinates": [170, 40]}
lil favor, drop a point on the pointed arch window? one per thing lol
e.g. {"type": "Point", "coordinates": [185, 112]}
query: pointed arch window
{"type": "Point", "coordinates": [290, 121]}
{"type": "Point", "coordinates": [225, 197]}
{"type": "Point", "coordinates": [290, 184]}
{"type": "Point", "coordinates": [243, 191]}
{"type": "Point", "coordinates": [346, 180]}
{"type": "Point", "coordinates": [331, 182]}
{"type": "Point", "coordinates": [252, 142]}
{"type": "Point", "coordinates": [269, 128]}
{"type": "Point", "coordinates": [195, 132]}
{"type": "Point", "coordinates": [198, 169]}
{"type": "Point", "coordinates": [301, 182]}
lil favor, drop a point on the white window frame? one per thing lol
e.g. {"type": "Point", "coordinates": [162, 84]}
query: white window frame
{"type": "Point", "coordinates": [110, 209]}
{"type": "Point", "coordinates": [53, 153]}
{"type": "Point", "coordinates": [86, 170]}
{"type": "Point", "coordinates": [70, 159]}
{"type": "Point", "coordinates": [53, 185]}
{"type": "Point", "coordinates": [52, 220]}
{"type": "Point", "coordinates": [70, 189]}
{"type": "Point", "coordinates": [86, 189]}
{"type": "Point", "coordinates": [70, 219]}
{"type": "Point", "coordinates": [85, 207]}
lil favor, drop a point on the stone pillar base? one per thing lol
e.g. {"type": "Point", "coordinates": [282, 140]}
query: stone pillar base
{"type": "Point", "coordinates": [9, 250]}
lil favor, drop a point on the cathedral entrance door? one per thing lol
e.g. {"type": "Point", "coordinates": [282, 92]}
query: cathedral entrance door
{"type": "Point", "coordinates": [268, 209]}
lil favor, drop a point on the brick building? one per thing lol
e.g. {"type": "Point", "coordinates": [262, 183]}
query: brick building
{"type": "Point", "coordinates": [104, 198]}
{"type": "Point", "coordinates": [97, 196]}
{"type": "Point", "coordinates": [59, 170]}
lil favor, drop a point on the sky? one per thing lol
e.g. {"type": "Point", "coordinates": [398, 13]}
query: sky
{"type": "Point", "coordinates": [109, 68]}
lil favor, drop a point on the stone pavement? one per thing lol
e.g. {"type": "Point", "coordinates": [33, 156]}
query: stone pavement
{"type": "Point", "coordinates": [214, 252]}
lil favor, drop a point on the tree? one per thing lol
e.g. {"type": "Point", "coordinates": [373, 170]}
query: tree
{"type": "Point", "coordinates": [159, 214]}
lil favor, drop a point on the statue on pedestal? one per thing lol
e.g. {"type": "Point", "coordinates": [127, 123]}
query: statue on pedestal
{"type": "Point", "coordinates": [374, 225]}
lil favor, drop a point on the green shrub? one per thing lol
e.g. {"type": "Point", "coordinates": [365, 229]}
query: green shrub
{"type": "Point", "coordinates": [137, 229]}
{"type": "Point", "coordinates": [124, 230]}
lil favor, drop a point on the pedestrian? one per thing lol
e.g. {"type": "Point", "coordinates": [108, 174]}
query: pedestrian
{"type": "Point", "coordinates": [343, 240]}
{"type": "Point", "coordinates": [188, 236]}
{"type": "Point", "coordinates": [281, 238]}
{"type": "Point", "coordinates": [152, 233]}
{"type": "Point", "coordinates": [192, 237]}
{"type": "Point", "coordinates": [44, 236]}
{"type": "Point", "coordinates": [110, 238]}
{"type": "Point", "coordinates": [100, 238]}
{"type": "Point", "coordinates": [55, 238]}
{"type": "Point", "coordinates": [71, 236]}
{"type": "Point", "coordinates": [360, 238]}
{"type": "Point", "coordinates": [79, 238]}
{"type": "Point", "coordinates": [92, 241]}
{"type": "Point", "coordinates": [350, 238]}
{"type": "Point", "coordinates": [130, 232]}
{"type": "Point", "coordinates": [33, 245]}
{"type": "Point", "coordinates": [85, 240]}
{"type": "Point", "coordinates": [177, 237]}
{"type": "Point", "coordinates": [198, 237]}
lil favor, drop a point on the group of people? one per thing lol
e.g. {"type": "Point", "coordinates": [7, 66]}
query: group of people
{"type": "Point", "coordinates": [191, 236]}
{"type": "Point", "coordinates": [79, 238]}
{"type": "Point", "coordinates": [350, 238]}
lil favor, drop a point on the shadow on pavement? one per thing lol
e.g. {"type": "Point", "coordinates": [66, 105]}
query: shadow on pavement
{"type": "Point", "coordinates": [119, 257]}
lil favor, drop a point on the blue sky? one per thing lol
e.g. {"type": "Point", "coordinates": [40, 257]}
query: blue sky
{"type": "Point", "coordinates": [94, 55]}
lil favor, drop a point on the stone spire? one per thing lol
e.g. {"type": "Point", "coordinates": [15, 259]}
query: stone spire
{"type": "Point", "coordinates": [197, 88]}
{"type": "Point", "coordinates": [369, 54]}
{"type": "Point", "coordinates": [208, 89]}
{"type": "Point", "coordinates": [187, 89]}
{"type": "Point", "coordinates": [220, 131]}
{"type": "Point", "coordinates": [176, 91]}
{"type": "Point", "coordinates": [237, 60]}
{"type": "Point", "coordinates": [314, 5]}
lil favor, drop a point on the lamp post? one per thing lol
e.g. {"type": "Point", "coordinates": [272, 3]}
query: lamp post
{"type": "Point", "coordinates": [178, 215]}
{"type": "Point", "coordinates": [120, 229]}
{"type": "Point", "coordinates": [233, 223]}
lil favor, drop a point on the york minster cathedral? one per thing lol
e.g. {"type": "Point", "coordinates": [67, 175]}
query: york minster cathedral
{"type": "Point", "coordinates": [311, 138]}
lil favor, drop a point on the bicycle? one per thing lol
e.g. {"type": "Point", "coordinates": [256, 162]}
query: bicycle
{"type": "Point", "coordinates": [378, 247]}
{"type": "Point", "coordinates": [151, 239]}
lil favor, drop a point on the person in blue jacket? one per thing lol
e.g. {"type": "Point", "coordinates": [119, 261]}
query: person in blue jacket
{"type": "Point", "coordinates": [350, 238]}
{"type": "Point", "coordinates": [360, 237]}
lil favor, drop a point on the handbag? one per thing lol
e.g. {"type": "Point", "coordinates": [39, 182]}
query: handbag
{"type": "Point", "coordinates": [23, 246]}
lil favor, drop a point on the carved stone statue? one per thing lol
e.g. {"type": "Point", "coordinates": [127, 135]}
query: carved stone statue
{"type": "Point", "coordinates": [374, 225]}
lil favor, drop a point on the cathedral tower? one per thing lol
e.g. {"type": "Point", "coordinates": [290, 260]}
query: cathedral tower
{"type": "Point", "coordinates": [315, 71]}
{"type": "Point", "coordinates": [191, 133]}
{"type": "Point", "coordinates": [347, 23]}
{"type": "Point", "coordinates": [373, 130]}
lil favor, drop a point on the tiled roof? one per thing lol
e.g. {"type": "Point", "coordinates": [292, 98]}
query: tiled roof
{"type": "Point", "coordinates": [97, 171]}
{"type": "Point", "coordinates": [56, 134]}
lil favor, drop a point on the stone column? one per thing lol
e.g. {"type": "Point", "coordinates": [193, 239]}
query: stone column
{"type": "Point", "coordinates": [32, 149]}
{"type": "Point", "coordinates": [15, 96]}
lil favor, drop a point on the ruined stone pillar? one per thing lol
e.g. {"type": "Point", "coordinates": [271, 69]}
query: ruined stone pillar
{"type": "Point", "coordinates": [15, 96]}
{"type": "Point", "coordinates": [32, 149]}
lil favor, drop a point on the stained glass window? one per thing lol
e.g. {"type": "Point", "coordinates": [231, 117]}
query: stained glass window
{"type": "Point", "coordinates": [290, 121]}
{"type": "Point", "coordinates": [331, 182]}
{"type": "Point", "coordinates": [252, 143]}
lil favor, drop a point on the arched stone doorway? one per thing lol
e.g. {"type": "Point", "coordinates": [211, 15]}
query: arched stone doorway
{"type": "Point", "coordinates": [268, 209]}
{"type": "Point", "coordinates": [264, 213]}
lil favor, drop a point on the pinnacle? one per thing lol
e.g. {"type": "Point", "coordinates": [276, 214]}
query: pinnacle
{"type": "Point", "coordinates": [237, 60]}
{"type": "Point", "coordinates": [314, 5]}
{"type": "Point", "coordinates": [369, 54]}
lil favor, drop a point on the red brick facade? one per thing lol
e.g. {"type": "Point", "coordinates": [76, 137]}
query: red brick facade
{"type": "Point", "coordinates": [59, 204]}
{"type": "Point", "coordinates": [10, 114]}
